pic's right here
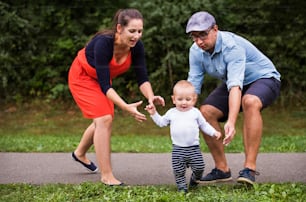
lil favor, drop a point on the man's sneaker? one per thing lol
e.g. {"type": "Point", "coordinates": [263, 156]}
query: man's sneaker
{"type": "Point", "coordinates": [247, 176]}
{"type": "Point", "coordinates": [216, 175]}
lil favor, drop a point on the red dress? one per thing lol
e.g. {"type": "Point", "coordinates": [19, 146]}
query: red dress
{"type": "Point", "coordinates": [85, 89]}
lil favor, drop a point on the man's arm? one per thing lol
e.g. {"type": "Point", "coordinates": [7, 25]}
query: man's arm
{"type": "Point", "coordinates": [234, 102]}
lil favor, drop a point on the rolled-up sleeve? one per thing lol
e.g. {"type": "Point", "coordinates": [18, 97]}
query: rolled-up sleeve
{"type": "Point", "coordinates": [196, 69]}
{"type": "Point", "coordinates": [236, 60]}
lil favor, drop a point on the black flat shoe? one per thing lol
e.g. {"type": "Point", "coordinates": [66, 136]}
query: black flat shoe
{"type": "Point", "coordinates": [114, 185]}
{"type": "Point", "coordinates": [91, 167]}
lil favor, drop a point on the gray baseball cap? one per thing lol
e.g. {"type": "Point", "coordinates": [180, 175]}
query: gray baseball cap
{"type": "Point", "coordinates": [200, 21]}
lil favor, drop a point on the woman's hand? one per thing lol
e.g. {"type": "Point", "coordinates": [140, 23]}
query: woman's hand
{"type": "Point", "coordinates": [132, 109]}
{"type": "Point", "coordinates": [156, 100]}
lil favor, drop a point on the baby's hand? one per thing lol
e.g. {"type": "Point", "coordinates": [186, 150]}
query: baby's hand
{"type": "Point", "coordinates": [150, 109]}
{"type": "Point", "coordinates": [218, 135]}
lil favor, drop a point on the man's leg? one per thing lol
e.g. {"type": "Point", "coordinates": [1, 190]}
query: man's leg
{"type": "Point", "coordinates": [216, 147]}
{"type": "Point", "coordinates": [252, 129]}
{"type": "Point", "coordinates": [252, 132]}
{"type": "Point", "coordinates": [215, 109]}
{"type": "Point", "coordinates": [221, 172]}
{"type": "Point", "coordinates": [257, 96]}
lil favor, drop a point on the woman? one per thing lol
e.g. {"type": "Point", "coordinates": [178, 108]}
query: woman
{"type": "Point", "coordinates": [107, 55]}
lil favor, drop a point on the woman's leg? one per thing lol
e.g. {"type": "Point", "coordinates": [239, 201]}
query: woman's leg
{"type": "Point", "coordinates": [102, 143]}
{"type": "Point", "coordinates": [85, 144]}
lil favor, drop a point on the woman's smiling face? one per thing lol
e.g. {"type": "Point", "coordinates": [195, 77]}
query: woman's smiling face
{"type": "Point", "coordinates": [131, 33]}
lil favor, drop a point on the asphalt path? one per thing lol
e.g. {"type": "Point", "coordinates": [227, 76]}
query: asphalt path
{"type": "Point", "coordinates": [139, 168]}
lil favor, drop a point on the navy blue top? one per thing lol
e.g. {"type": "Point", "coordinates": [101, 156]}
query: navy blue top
{"type": "Point", "coordinates": [99, 53]}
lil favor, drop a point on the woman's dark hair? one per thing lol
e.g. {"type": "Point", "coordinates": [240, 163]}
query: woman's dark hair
{"type": "Point", "coordinates": [122, 17]}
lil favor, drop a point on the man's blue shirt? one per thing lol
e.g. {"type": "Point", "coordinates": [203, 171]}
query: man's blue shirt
{"type": "Point", "coordinates": [235, 61]}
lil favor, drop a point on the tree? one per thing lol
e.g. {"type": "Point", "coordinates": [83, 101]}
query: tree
{"type": "Point", "coordinates": [40, 41]}
{"type": "Point", "coordinates": [276, 28]}
{"type": "Point", "coordinates": [165, 40]}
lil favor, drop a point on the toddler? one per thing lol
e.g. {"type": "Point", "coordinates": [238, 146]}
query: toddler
{"type": "Point", "coordinates": [184, 120]}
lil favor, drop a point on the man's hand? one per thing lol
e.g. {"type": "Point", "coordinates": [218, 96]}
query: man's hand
{"type": "Point", "coordinates": [230, 131]}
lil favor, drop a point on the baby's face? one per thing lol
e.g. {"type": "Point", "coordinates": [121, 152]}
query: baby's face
{"type": "Point", "coordinates": [184, 100]}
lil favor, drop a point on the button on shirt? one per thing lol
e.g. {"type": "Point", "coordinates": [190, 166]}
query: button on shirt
{"type": "Point", "coordinates": [235, 61]}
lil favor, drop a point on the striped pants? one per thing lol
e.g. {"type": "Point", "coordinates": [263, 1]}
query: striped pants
{"type": "Point", "coordinates": [184, 157]}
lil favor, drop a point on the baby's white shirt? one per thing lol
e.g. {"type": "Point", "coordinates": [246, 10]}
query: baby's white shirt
{"type": "Point", "coordinates": [184, 126]}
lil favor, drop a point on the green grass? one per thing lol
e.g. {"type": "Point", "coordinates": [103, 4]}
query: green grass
{"type": "Point", "coordinates": [98, 192]}
{"type": "Point", "coordinates": [46, 127]}
{"type": "Point", "coordinates": [137, 143]}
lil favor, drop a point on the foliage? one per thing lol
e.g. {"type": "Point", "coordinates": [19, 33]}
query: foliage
{"type": "Point", "coordinates": [166, 42]}
{"type": "Point", "coordinates": [40, 41]}
{"type": "Point", "coordinates": [275, 28]}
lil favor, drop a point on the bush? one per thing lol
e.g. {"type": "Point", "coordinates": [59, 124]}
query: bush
{"type": "Point", "coordinates": [40, 41]}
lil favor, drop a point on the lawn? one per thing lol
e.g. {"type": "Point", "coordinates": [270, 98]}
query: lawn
{"type": "Point", "coordinates": [46, 127]}
{"type": "Point", "coordinates": [49, 127]}
{"type": "Point", "coordinates": [98, 192]}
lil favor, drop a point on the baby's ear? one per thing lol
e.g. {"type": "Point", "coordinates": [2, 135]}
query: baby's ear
{"type": "Point", "coordinates": [195, 98]}
{"type": "Point", "coordinates": [173, 99]}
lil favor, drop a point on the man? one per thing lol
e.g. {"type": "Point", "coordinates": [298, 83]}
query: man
{"type": "Point", "coordinates": [250, 83]}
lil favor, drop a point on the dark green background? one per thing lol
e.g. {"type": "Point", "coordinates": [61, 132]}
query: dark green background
{"type": "Point", "coordinates": [39, 40]}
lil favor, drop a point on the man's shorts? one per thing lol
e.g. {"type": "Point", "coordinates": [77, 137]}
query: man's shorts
{"type": "Point", "coordinates": [267, 90]}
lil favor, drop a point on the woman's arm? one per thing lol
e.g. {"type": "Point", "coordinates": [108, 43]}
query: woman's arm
{"type": "Point", "coordinates": [146, 90]}
{"type": "Point", "coordinates": [131, 108]}
{"type": "Point", "coordinates": [117, 100]}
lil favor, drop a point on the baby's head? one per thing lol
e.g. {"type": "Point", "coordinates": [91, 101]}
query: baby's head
{"type": "Point", "coordinates": [184, 96]}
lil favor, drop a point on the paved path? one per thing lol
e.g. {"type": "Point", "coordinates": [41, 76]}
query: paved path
{"type": "Point", "coordinates": [138, 169]}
